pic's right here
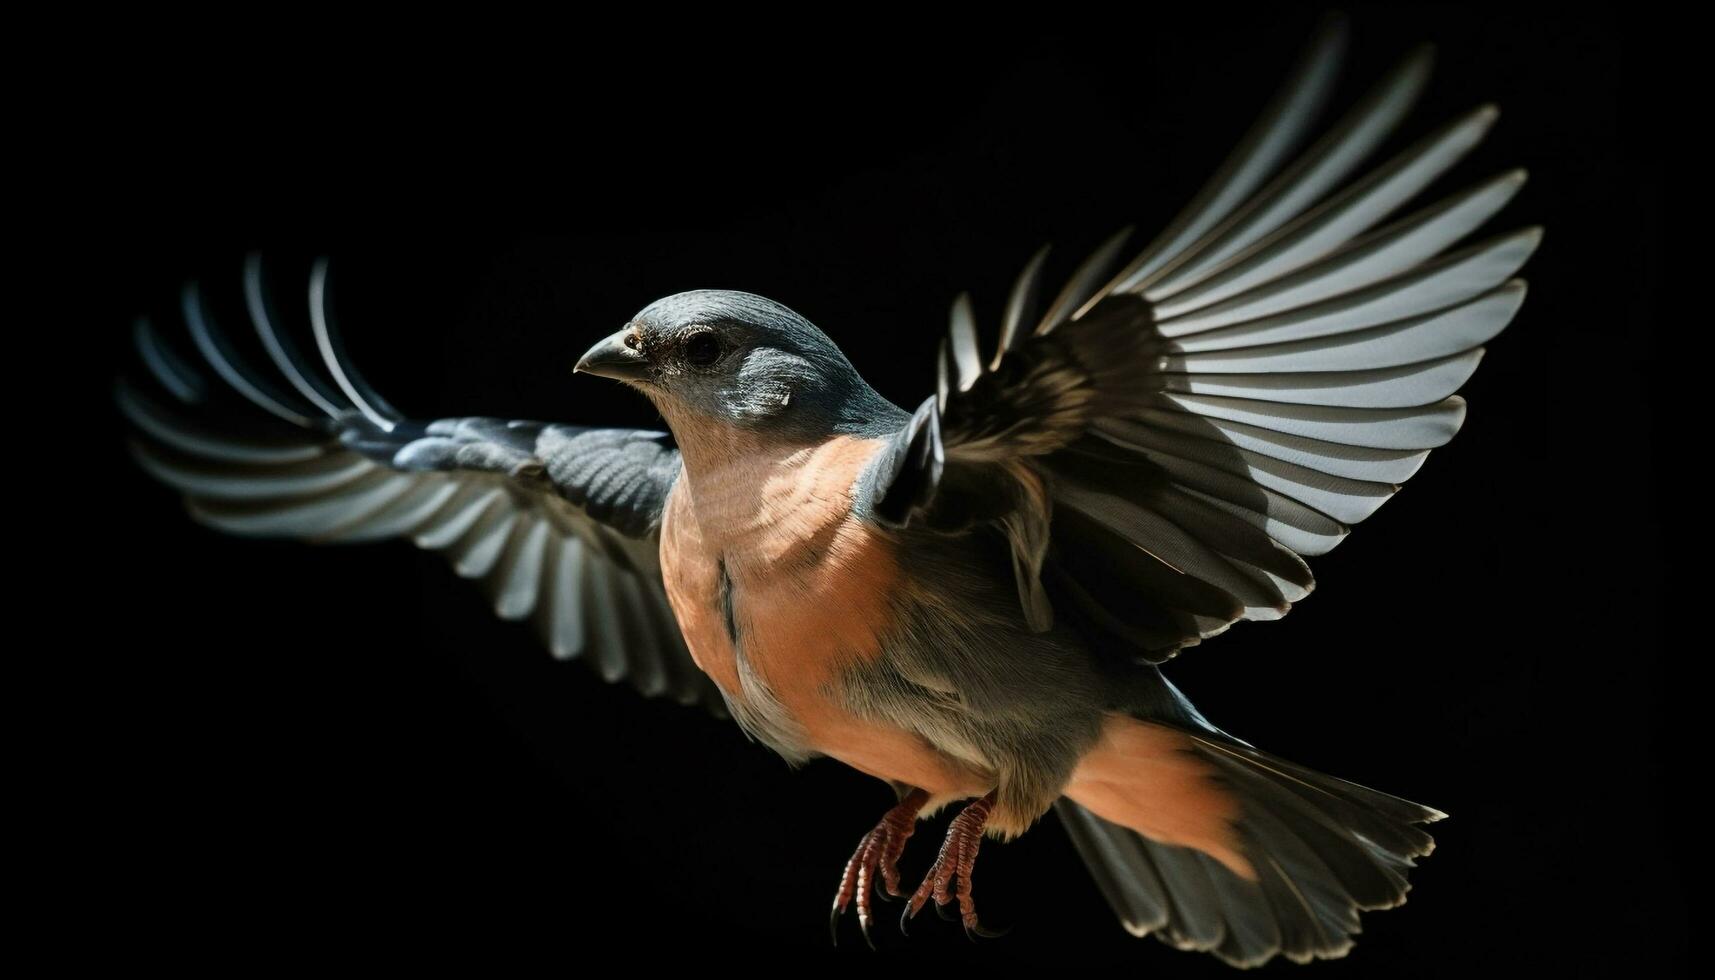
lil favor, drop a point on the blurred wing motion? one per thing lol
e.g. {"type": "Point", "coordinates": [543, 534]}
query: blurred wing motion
{"type": "Point", "coordinates": [1172, 436]}
{"type": "Point", "coordinates": [557, 522]}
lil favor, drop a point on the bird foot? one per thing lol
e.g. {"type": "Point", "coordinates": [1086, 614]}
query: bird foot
{"type": "Point", "coordinates": [877, 853]}
{"type": "Point", "coordinates": [950, 876]}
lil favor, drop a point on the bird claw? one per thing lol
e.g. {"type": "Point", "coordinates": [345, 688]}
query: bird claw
{"type": "Point", "coordinates": [877, 854]}
{"type": "Point", "coordinates": [976, 930]}
{"type": "Point", "coordinates": [949, 878]}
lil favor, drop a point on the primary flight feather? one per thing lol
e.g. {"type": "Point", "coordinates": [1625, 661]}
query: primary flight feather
{"type": "Point", "coordinates": [969, 600]}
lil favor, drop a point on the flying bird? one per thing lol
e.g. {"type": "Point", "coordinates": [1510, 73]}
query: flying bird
{"type": "Point", "coordinates": [972, 599]}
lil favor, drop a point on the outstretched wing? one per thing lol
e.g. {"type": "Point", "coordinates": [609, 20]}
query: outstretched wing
{"type": "Point", "coordinates": [557, 522]}
{"type": "Point", "coordinates": [1270, 369]}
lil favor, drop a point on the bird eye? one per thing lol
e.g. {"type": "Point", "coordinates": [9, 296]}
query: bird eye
{"type": "Point", "coordinates": [702, 349]}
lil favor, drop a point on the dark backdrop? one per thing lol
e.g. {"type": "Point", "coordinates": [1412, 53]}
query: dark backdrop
{"type": "Point", "coordinates": [284, 752]}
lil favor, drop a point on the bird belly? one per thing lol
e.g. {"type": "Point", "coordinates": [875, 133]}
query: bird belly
{"type": "Point", "coordinates": [780, 591]}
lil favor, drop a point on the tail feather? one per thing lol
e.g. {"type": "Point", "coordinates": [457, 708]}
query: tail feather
{"type": "Point", "coordinates": [1320, 850]}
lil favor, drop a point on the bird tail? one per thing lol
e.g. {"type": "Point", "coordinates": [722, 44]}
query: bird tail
{"type": "Point", "coordinates": [1213, 845]}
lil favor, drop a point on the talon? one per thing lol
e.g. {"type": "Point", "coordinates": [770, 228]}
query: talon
{"type": "Point", "coordinates": [877, 851]}
{"type": "Point", "coordinates": [949, 878]}
{"type": "Point", "coordinates": [863, 890]}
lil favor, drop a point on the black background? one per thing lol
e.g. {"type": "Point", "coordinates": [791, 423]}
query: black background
{"type": "Point", "coordinates": [288, 753]}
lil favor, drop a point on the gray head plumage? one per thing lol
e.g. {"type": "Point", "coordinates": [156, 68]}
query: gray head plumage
{"type": "Point", "coordinates": [743, 359]}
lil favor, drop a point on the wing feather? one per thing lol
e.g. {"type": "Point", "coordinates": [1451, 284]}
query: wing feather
{"type": "Point", "coordinates": [556, 522]}
{"type": "Point", "coordinates": [1262, 377]}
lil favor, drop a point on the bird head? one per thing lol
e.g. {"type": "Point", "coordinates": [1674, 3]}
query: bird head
{"type": "Point", "coordinates": [723, 357]}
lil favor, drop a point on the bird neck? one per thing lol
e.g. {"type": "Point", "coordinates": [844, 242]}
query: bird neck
{"type": "Point", "coordinates": [710, 443]}
{"type": "Point", "coordinates": [713, 449]}
{"type": "Point", "coordinates": [762, 502]}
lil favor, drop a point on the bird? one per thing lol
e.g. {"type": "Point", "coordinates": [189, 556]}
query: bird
{"type": "Point", "coordinates": [973, 600]}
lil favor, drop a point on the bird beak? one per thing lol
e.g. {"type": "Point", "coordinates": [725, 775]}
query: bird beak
{"type": "Point", "coordinates": [610, 358]}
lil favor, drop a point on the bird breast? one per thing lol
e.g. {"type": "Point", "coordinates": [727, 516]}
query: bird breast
{"type": "Point", "coordinates": [777, 586]}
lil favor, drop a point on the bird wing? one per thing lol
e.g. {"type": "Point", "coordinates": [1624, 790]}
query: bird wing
{"type": "Point", "coordinates": [557, 522]}
{"type": "Point", "coordinates": [1263, 376]}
